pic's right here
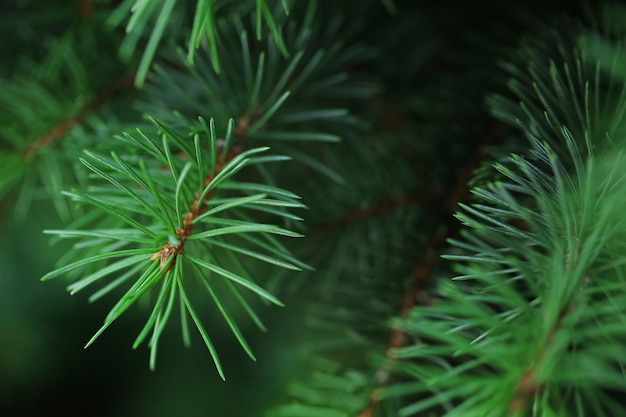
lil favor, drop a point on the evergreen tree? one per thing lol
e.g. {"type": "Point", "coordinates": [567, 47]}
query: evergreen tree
{"type": "Point", "coordinates": [396, 208]}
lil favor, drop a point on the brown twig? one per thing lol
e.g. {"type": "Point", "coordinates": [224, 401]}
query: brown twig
{"type": "Point", "coordinates": [376, 209]}
{"type": "Point", "coordinates": [528, 385]}
{"type": "Point", "coordinates": [62, 128]}
{"type": "Point", "coordinates": [198, 205]}
{"type": "Point", "coordinates": [86, 9]}
{"type": "Point", "coordinates": [445, 226]}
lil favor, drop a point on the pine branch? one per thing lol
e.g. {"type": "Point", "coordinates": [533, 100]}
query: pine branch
{"type": "Point", "coordinates": [148, 203]}
{"type": "Point", "coordinates": [528, 258]}
{"type": "Point", "coordinates": [149, 208]}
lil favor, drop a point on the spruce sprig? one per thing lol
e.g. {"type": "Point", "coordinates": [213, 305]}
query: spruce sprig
{"type": "Point", "coordinates": [174, 204]}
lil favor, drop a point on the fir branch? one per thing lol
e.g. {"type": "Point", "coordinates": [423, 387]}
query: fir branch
{"type": "Point", "coordinates": [522, 302]}
{"type": "Point", "coordinates": [146, 205]}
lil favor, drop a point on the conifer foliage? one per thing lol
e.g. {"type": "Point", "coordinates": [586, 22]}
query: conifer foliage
{"type": "Point", "coordinates": [438, 189]}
